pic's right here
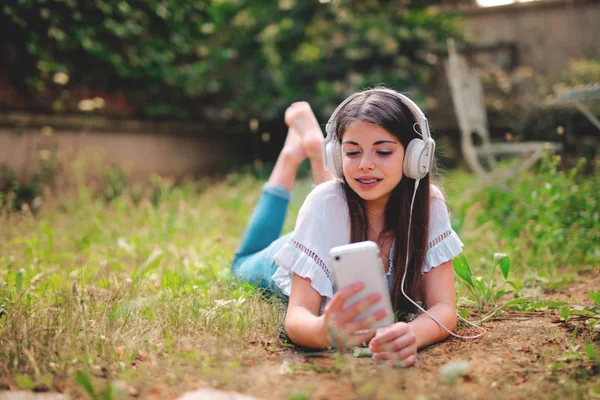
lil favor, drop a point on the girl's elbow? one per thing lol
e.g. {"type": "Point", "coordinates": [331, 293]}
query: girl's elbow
{"type": "Point", "coordinates": [288, 326]}
{"type": "Point", "coordinates": [449, 319]}
{"type": "Point", "coordinates": [293, 332]}
{"type": "Point", "coordinates": [453, 321]}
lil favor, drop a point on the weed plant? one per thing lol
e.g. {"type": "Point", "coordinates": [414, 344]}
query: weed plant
{"type": "Point", "coordinates": [547, 219]}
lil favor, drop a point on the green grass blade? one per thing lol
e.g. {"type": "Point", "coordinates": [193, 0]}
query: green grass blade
{"type": "Point", "coordinates": [461, 267]}
{"type": "Point", "coordinates": [84, 380]}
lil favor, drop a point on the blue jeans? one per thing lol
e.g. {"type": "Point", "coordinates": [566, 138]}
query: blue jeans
{"type": "Point", "coordinates": [253, 261]}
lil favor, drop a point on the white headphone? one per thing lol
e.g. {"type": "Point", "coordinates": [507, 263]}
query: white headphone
{"type": "Point", "coordinates": [418, 156]}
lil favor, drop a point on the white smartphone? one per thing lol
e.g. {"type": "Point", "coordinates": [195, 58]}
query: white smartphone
{"type": "Point", "coordinates": [361, 262]}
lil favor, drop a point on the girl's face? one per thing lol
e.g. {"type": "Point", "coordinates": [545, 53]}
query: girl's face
{"type": "Point", "coordinates": [372, 161]}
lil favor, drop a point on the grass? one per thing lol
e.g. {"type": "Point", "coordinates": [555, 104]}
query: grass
{"type": "Point", "coordinates": [87, 285]}
{"type": "Point", "coordinates": [99, 294]}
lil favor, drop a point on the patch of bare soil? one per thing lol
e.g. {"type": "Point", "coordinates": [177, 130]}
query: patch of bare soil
{"type": "Point", "coordinates": [524, 355]}
{"type": "Point", "coordinates": [514, 360]}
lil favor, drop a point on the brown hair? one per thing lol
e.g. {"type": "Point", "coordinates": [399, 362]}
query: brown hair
{"type": "Point", "coordinates": [390, 113]}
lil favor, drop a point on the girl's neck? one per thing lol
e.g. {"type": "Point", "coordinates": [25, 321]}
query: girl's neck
{"type": "Point", "coordinates": [375, 211]}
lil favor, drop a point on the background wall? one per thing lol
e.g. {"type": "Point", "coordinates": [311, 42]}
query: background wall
{"type": "Point", "coordinates": [139, 148]}
{"type": "Point", "coordinates": [546, 33]}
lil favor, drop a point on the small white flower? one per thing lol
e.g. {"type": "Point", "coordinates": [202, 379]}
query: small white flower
{"type": "Point", "coordinates": [499, 256]}
{"type": "Point", "coordinates": [451, 371]}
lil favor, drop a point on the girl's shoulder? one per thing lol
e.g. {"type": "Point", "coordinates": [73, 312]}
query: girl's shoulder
{"type": "Point", "coordinates": [328, 188]}
{"type": "Point", "coordinates": [326, 202]}
{"type": "Point", "coordinates": [438, 207]}
{"type": "Point", "coordinates": [326, 193]}
{"type": "Point", "coordinates": [436, 193]}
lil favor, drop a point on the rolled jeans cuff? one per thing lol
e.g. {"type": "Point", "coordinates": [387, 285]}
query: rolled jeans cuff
{"type": "Point", "coordinates": [276, 190]}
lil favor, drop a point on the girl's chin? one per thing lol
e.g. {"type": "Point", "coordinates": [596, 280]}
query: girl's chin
{"type": "Point", "coordinates": [369, 195]}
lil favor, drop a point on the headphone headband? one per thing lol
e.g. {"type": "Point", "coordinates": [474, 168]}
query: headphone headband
{"type": "Point", "coordinates": [412, 106]}
{"type": "Point", "coordinates": [414, 109]}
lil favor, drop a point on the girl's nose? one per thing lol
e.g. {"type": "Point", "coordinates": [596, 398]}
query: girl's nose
{"type": "Point", "coordinates": [366, 163]}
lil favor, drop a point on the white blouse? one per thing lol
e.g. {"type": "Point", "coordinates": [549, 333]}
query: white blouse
{"type": "Point", "coordinates": [323, 223]}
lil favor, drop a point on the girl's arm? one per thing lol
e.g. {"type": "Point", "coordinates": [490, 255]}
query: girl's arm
{"type": "Point", "coordinates": [439, 299]}
{"type": "Point", "coordinates": [303, 324]}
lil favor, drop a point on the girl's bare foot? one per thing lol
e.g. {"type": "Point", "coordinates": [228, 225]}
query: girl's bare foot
{"type": "Point", "coordinates": [300, 117]}
{"type": "Point", "coordinates": [293, 149]}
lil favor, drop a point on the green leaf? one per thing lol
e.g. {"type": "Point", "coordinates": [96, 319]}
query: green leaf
{"type": "Point", "coordinates": [518, 300]}
{"type": "Point", "coordinates": [505, 266]}
{"type": "Point", "coordinates": [595, 296]}
{"type": "Point", "coordinates": [84, 380]}
{"type": "Point", "coordinates": [556, 304]}
{"type": "Point", "coordinates": [565, 313]}
{"type": "Point", "coordinates": [591, 352]}
{"type": "Point", "coordinates": [461, 267]}
{"type": "Point", "coordinates": [586, 312]}
{"type": "Point", "coordinates": [480, 285]}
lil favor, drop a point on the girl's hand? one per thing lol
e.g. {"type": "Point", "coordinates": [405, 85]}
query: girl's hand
{"type": "Point", "coordinates": [341, 323]}
{"type": "Point", "coordinates": [396, 342]}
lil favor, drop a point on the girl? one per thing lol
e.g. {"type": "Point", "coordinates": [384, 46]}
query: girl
{"type": "Point", "coordinates": [371, 201]}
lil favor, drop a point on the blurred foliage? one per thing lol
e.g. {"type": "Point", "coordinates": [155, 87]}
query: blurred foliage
{"type": "Point", "coordinates": [550, 217]}
{"type": "Point", "coordinates": [523, 102]}
{"type": "Point", "coordinates": [221, 59]}
{"type": "Point", "coordinates": [580, 72]}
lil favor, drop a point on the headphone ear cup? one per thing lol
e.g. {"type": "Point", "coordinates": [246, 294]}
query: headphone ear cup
{"type": "Point", "coordinates": [337, 159]}
{"type": "Point", "coordinates": [412, 158]}
{"type": "Point", "coordinates": [333, 158]}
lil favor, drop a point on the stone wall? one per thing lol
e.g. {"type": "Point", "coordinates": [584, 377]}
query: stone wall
{"type": "Point", "coordinates": [139, 148]}
{"type": "Point", "coordinates": [546, 33]}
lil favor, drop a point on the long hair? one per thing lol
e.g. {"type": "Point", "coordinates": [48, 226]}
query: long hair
{"type": "Point", "coordinates": [388, 111]}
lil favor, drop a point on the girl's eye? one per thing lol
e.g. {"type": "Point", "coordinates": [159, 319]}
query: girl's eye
{"type": "Point", "coordinates": [352, 153]}
{"type": "Point", "coordinates": [384, 153]}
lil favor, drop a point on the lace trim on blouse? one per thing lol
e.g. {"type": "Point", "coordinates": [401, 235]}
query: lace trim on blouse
{"type": "Point", "coordinates": [439, 239]}
{"type": "Point", "coordinates": [429, 246]}
{"type": "Point", "coordinates": [312, 255]}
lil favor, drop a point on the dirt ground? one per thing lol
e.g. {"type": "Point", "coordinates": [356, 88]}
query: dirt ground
{"type": "Point", "coordinates": [524, 355]}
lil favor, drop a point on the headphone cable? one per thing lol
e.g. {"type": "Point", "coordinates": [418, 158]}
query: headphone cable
{"type": "Point", "coordinates": [483, 331]}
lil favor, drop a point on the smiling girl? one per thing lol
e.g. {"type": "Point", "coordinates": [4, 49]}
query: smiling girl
{"type": "Point", "coordinates": [371, 200]}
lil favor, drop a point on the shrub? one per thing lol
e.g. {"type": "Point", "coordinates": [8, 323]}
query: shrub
{"type": "Point", "coordinates": [221, 60]}
{"type": "Point", "coordinates": [548, 218]}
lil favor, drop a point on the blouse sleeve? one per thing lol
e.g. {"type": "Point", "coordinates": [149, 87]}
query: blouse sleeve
{"type": "Point", "coordinates": [443, 243]}
{"type": "Point", "coordinates": [322, 223]}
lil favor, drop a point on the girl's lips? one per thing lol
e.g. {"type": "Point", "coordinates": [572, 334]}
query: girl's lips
{"type": "Point", "coordinates": [367, 183]}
